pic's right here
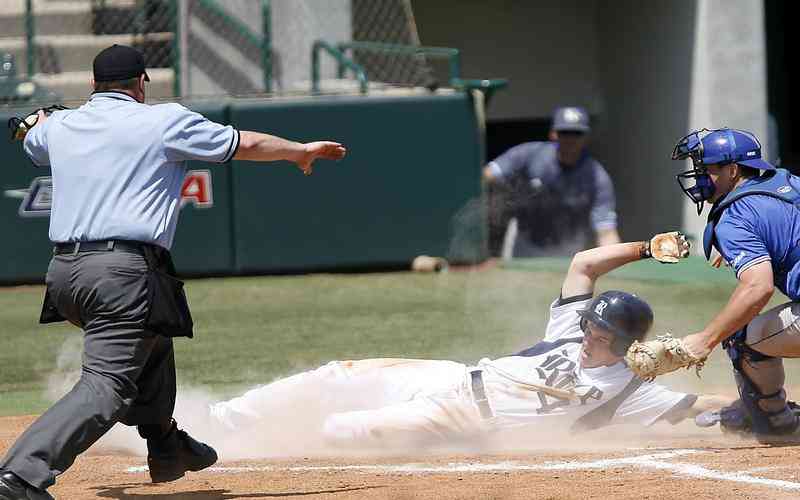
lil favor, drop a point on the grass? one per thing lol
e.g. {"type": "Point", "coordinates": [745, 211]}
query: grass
{"type": "Point", "coordinates": [252, 330]}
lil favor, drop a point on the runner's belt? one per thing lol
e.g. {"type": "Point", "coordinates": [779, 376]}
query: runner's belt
{"type": "Point", "coordinates": [479, 394]}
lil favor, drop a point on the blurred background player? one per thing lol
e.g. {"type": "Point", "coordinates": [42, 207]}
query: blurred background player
{"type": "Point", "coordinates": [559, 198]}
{"type": "Point", "coordinates": [573, 380]}
{"type": "Point", "coordinates": [754, 224]}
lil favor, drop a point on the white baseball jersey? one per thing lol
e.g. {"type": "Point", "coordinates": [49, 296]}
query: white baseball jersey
{"type": "Point", "coordinates": [606, 394]}
{"type": "Point", "coordinates": [386, 401]}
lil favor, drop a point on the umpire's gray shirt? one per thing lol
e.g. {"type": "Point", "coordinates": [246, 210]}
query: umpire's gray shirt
{"type": "Point", "coordinates": [118, 166]}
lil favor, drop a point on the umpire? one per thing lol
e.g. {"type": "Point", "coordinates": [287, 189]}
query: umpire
{"type": "Point", "coordinates": [118, 167]}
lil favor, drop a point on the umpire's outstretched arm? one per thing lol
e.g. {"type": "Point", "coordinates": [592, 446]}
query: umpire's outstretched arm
{"type": "Point", "coordinates": [256, 146]}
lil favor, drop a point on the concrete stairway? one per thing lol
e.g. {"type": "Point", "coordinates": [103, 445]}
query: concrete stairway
{"type": "Point", "coordinates": [66, 43]}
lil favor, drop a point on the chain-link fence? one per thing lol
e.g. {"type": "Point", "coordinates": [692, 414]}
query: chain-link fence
{"type": "Point", "coordinates": [246, 46]}
{"type": "Point", "coordinates": [52, 43]}
{"type": "Point", "coordinates": [390, 22]}
{"type": "Point", "coordinates": [210, 47]}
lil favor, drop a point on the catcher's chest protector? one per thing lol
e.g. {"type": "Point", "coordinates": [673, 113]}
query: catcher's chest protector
{"type": "Point", "coordinates": [778, 184]}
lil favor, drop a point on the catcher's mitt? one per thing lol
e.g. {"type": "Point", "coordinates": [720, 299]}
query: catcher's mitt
{"type": "Point", "coordinates": [667, 248]}
{"type": "Point", "coordinates": [663, 355]}
{"type": "Point", "coordinates": [19, 127]}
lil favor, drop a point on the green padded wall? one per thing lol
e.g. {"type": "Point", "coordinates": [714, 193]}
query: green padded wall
{"type": "Point", "coordinates": [411, 175]}
{"type": "Point", "coordinates": [25, 249]}
{"type": "Point", "coordinates": [412, 164]}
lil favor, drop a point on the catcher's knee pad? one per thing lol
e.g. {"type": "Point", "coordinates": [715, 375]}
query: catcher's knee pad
{"type": "Point", "coordinates": [759, 379]}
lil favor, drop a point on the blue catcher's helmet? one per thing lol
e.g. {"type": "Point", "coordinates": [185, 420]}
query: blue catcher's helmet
{"type": "Point", "coordinates": [715, 147]}
{"type": "Point", "coordinates": [625, 315]}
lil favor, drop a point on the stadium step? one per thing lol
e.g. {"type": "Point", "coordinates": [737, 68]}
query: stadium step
{"type": "Point", "coordinates": [66, 53]}
{"type": "Point", "coordinates": [68, 34]}
{"type": "Point", "coordinates": [74, 85]}
{"type": "Point", "coordinates": [51, 17]}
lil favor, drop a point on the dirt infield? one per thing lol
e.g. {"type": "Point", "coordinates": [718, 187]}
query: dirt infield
{"type": "Point", "coordinates": [696, 464]}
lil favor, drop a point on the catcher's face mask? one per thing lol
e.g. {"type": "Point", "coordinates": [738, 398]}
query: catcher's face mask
{"type": "Point", "coordinates": [695, 183]}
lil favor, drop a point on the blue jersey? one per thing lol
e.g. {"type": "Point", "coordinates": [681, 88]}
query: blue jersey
{"type": "Point", "coordinates": [760, 228]}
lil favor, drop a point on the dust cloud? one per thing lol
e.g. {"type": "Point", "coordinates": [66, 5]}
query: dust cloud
{"type": "Point", "coordinates": [285, 419]}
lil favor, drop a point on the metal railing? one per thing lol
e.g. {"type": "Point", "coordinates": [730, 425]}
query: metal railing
{"type": "Point", "coordinates": [176, 51]}
{"type": "Point", "coordinates": [487, 86]}
{"type": "Point", "coordinates": [452, 55]}
{"type": "Point", "coordinates": [343, 63]}
{"type": "Point", "coordinates": [172, 8]}
{"type": "Point", "coordinates": [173, 16]}
{"type": "Point", "coordinates": [263, 42]}
{"type": "Point", "coordinates": [29, 34]}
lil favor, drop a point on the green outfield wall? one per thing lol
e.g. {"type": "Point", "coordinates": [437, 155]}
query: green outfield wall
{"type": "Point", "coordinates": [412, 170]}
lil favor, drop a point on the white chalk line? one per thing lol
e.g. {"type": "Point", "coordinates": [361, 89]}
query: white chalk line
{"type": "Point", "coordinates": [648, 461]}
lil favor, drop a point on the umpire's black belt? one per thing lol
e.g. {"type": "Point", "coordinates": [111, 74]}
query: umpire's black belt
{"type": "Point", "coordinates": [479, 394]}
{"type": "Point", "coordinates": [100, 246]}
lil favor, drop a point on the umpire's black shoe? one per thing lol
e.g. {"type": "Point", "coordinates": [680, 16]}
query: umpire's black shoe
{"type": "Point", "coordinates": [170, 458]}
{"type": "Point", "coordinates": [14, 488]}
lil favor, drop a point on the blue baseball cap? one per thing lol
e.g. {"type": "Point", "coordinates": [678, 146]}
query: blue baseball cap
{"type": "Point", "coordinates": [571, 119]}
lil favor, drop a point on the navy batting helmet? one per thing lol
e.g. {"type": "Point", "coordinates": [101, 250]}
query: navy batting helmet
{"type": "Point", "coordinates": [715, 147]}
{"type": "Point", "coordinates": [625, 315]}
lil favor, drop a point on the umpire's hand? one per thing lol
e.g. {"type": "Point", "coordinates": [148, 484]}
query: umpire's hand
{"type": "Point", "coordinates": [324, 150]}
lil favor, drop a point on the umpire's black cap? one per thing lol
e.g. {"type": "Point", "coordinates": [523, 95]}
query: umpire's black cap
{"type": "Point", "coordinates": [118, 62]}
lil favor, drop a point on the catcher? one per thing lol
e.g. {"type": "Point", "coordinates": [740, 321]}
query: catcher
{"type": "Point", "coordinates": [574, 379]}
{"type": "Point", "coordinates": [754, 225]}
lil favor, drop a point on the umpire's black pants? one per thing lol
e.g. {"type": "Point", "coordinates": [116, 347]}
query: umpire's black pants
{"type": "Point", "coordinates": [128, 373]}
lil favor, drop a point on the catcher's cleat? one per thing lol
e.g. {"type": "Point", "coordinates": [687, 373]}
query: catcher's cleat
{"type": "Point", "coordinates": [708, 418]}
{"type": "Point", "coordinates": [14, 488]}
{"type": "Point", "coordinates": [731, 419]}
{"type": "Point", "coordinates": [785, 437]}
{"type": "Point", "coordinates": [788, 435]}
{"type": "Point", "coordinates": [734, 419]}
{"type": "Point", "coordinates": [171, 457]}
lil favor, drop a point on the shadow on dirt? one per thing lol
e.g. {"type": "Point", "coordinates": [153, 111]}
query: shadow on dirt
{"type": "Point", "coordinates": [117, 492]}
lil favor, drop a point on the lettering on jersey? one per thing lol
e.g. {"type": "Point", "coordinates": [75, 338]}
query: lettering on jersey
{"type": "Point", "coordinates": [558, 371]}
{"type": "Point", "coordinates": [37, 199]}
{"type": "Point", "coordinates": [589, 393]}
{"type": "Point", "coordinates": [556, 365]}
{"type": "Point", "coordinates": [784, 189]}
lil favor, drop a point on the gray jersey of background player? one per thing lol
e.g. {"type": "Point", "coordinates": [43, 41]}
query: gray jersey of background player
{"type": "Point", "coordinates": [561, 199]}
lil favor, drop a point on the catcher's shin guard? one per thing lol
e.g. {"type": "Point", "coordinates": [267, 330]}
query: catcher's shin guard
{"type": "Point", "coordinates": [760, 379]}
